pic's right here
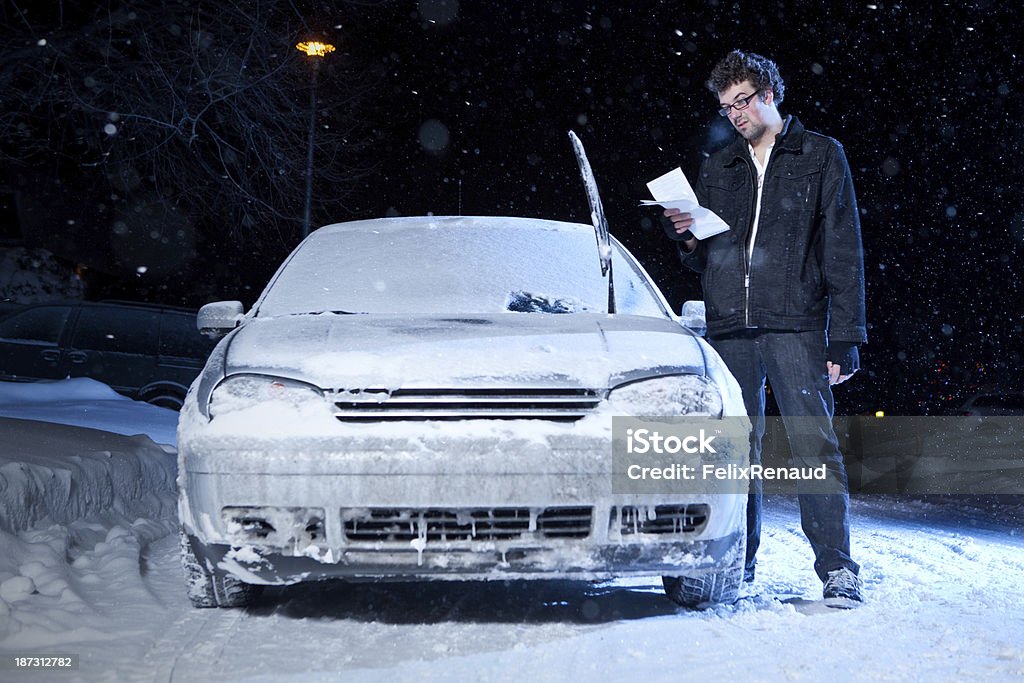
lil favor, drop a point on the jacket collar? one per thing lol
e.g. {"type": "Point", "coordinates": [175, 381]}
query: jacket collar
{"type": "Point", "coordinates": [790, 139]}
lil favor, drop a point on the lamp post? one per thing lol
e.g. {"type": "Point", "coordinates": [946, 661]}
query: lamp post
{"type": "Point", "coordinates": [316, 50]}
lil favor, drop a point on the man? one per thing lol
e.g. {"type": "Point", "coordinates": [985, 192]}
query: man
{"type": "Point", "coordinates": [784, 290]}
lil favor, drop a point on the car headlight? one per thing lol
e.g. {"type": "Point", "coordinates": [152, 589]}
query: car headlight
{"type": "Point", "coordinates": [676, 395]}
{"type": "Point", "coordinates": [245, 391]}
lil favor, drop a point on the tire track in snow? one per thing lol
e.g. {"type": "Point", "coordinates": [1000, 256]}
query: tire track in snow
{"type": "Point", "coordinates": [188, 642]}
{"type": "Point", "coordinates": [191, 645]}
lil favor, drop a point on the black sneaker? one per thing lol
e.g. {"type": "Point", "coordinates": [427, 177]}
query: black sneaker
{"type": "Point", "coordinates": [843, 589]}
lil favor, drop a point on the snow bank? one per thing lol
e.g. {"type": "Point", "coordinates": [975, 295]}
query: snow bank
{"type": "Point", "coordinates": [84, 402]}
{"type": "Point", "coordinates": [71, 389]}
{"type": "Point", "coordinates": [77, 508]}
{"type": "Point", "coordinates": [61, 473]}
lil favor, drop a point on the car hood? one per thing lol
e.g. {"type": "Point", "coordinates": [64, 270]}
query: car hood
{"type": "Point", "coordinates": [339, 351]}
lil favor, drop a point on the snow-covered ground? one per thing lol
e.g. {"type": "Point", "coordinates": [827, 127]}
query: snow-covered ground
{"type": "Point", "coordinates": [89, 566]}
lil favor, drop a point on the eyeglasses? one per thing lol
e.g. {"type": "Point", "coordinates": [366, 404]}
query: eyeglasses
{"type": "Point", "coordinates": [738, 105]}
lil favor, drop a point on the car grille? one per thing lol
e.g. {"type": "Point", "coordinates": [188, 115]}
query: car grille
{"type": "Point", "coordinates": [477, 524]}
{"type": "Point", "coordinates": [462, 404]}
{"type": "Point", "coordinates": [666, 519]}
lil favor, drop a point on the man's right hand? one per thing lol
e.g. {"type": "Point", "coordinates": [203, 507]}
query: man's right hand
{"type": "Point", "coordinates": [679, 228]}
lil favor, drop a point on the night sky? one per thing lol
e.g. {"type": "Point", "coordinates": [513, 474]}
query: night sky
{"type": "Point", "coordinates": [468, 106]}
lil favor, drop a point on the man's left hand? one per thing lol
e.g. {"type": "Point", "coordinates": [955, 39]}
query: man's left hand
{"type": "Point", "coordinates": [843, 361]}
{"type": "Point", "coordinates": [834, 373]}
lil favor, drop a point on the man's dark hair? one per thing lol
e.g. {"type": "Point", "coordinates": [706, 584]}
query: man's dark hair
{"type": "Point", "coordinates": [742, 66]}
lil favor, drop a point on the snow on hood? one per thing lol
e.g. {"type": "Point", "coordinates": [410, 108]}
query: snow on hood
{"type": "Point", "coordinates": [390, 351]}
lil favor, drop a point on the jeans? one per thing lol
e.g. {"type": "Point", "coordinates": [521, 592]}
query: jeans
{"type": "Point", "coordinates": [794, 363]}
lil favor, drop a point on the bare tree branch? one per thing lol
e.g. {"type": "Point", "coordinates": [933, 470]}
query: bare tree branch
{"type": "Point", "coordinates": [203, 105]}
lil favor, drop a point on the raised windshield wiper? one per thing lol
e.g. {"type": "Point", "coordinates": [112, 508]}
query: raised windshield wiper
{"type": "Point", "coordinates": [604, 240]}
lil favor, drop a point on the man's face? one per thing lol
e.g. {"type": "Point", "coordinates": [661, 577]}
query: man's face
{"type": "Point", "coordinates": [751, 121]}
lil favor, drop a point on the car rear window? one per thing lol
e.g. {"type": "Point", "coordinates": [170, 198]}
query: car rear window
{"type": "Point", "coordinates": [43, 324]}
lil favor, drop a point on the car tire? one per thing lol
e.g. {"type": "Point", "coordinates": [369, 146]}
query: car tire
{"type": "Point", "coordinates": [212, 588]}
{"type": "Point", "coordinates": [165, 399]}
{"type": "Point", "coordinates": [707, 590]}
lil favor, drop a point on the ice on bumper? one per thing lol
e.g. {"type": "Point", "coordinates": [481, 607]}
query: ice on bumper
{"type": "Point", "coordinates": [424, 498]}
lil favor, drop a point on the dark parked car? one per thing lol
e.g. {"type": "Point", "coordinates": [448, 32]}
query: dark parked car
{"type": "Point", "coordinates": [146, 352]}
{"type": "Point", "coordinates": [994, 402]}
{"type": "Point", "coordinates": [7, 306]}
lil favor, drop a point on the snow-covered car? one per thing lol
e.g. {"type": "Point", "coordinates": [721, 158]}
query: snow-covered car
{"type": "Point", "coordinates": [432, 398]}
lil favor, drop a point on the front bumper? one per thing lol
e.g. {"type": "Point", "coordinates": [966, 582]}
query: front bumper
{"type": "Point", "coordinates": [266, 566]}
{"type": "Point", "coordinates": [444, 507]}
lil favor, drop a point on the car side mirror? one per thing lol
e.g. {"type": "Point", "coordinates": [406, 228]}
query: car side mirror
{"type": "Point", "coordinates": [218, 318]}
{"type": "Point", "coordinates": [693, 317]}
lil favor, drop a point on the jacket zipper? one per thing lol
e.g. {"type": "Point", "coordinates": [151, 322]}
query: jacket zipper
{"type": "Point", "coordinates": [747, 249]}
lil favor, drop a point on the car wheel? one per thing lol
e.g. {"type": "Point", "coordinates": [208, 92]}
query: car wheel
{"type": "Point", "coordinates": [168, 400]}
{"type": "Point", "coordinates": [707, 590]}
{"type": "Point", "coordinates": [212, 588]}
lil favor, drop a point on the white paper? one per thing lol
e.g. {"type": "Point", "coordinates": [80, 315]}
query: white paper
{"type": "Point", "coordinates": [673, 191]}
{"type": "Point", "coordinates": [672, 185]}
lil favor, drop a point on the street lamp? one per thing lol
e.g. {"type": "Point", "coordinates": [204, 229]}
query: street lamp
{"type": "Point", "coordinates": [317, 50]}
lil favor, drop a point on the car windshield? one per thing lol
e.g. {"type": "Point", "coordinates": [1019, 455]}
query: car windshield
{"type": "Point", "coordinates": [422, 266]}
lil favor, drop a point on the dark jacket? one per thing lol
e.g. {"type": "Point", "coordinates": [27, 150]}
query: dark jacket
{"type": "Point", "coordinates": [807, 268]}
